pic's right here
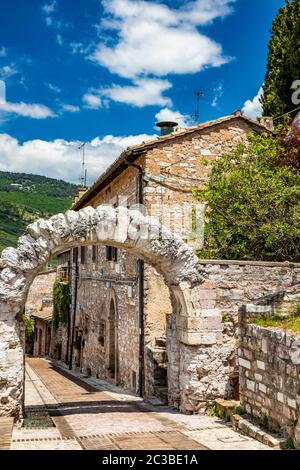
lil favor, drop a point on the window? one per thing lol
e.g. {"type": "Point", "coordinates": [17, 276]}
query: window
{"type": "Point", "coordinates": [94, 254]}
{"type": "Point", "coordinates": [111, 253]}
{"type": "Point", "coordinates": [83, 255]}
{"type": "Point", "coordinates": [101, 337]}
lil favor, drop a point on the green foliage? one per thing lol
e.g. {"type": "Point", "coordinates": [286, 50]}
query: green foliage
{"type": "Point", "coordinates": [252, 203]}
{"type": "Point", "coordinates": [264, 421]}
{"type": "Point", "coordinates": [29, 327]}
{"type": "Point", "coordinates": [283, 60]}
{"type": "Point", "coordinates": [296, 310]}
{"type": "Point", "coordinates": [289, 444]}
{"type": "Point", "coordinates": [290, 322]}
{"type": "Point", "coordinates": [225, 317]}
{"type": "Point", "coordinates": [211, 410]}
{"type": "Point", "coordinates": [25, 198]}
{"type": "Point", "coordinates": [238, 410]}
{"type": "Point", "coordinates": [61, 303]}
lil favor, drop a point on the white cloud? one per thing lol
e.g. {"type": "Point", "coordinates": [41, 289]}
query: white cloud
{"type": "Point", "coordinates": [3, 51]}
{"type": "Point", "coordinates": [155, 39]}
{"type": "Point", "coordinates": [70, 108]}
{"type": "Point", "coordinates": [253, 108]}
{"type": "Point", "coordinates": [175, 116]}
{"type": "Point", "coordinates": [49, 7]}
{"type": "Point", "coordinates": [62, 159]}
{"type": "Point", "coordinates": [53, 87]}
{"type": "Point", "coordinates": [218, 93]}
{"type": "Point", "coordinates": [49, 11]}
{"type": "Point", "coordinates": [143, 92]}
{"type": "Point", "coordinates": [92, 101]}
{"type": "Point", "coordinates": [35, 111]}
{"type": "Point", "coordinates": [8, 71]}
{"type": "Point", "coordinates": [59, 39]}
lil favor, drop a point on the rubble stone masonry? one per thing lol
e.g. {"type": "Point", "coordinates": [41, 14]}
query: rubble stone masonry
{"type": "Point", "coordinates": [269, 360]}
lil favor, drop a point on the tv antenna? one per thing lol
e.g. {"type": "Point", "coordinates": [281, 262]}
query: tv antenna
{"type": "Point", "coordinates": [83, 166]}
{"type": "Point", "coordinates": [199, 94]}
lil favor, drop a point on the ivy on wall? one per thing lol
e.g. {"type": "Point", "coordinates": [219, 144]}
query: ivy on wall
{"type": "Point", "coordinates": [61, 303]}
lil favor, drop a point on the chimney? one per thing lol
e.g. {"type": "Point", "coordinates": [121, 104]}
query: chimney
{"type": "Point", "coordinates": [166, 127]}
{"type": "Point", "coordinates": [81, 191]}
{"type": "Point", "coordinates": [267, 122]}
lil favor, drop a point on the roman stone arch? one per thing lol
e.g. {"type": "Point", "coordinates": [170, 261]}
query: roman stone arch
{"type": "Point", "coordinates": [119, 227]}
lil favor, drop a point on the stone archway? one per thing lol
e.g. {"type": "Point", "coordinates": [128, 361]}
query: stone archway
{"type": "Point", "coordinates": [121, 228]}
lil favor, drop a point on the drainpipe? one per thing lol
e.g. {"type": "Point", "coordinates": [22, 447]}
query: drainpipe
{"type": "Point", "coordinates": [141, 271]}
{"type": "Point", "coordinates": [74, 308]}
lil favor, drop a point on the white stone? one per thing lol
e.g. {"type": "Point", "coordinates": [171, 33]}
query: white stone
{"type": "Point", "coordinates": [244, 363]}
{"type": "Point", "coordinates": [251, 385]}
{"type": "Point", "coordinates": [292, 403]}
{"type": "Point", "coordinates": [280, 397]}
{"type": "Point", "coordinates": [262, 388]}
{"type": "Point", "coordinates": [261, 365]}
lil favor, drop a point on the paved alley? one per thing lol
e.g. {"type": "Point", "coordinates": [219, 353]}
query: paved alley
{"type": "Point", "coordinates": [89, 414]}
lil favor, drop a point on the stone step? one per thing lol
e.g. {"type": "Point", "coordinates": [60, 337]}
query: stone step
{"type": "Point", "coordinates": [161, 392]}
{"type": "Point", "coordinates": [249, 428]}
{"type": "Point", "coordinates": [226, 408]}
{"type": "Point", "coordinates": [6, 428]}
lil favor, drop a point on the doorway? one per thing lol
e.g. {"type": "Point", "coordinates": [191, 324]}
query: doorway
{"type": "Point", "coordinates": [112, 342]}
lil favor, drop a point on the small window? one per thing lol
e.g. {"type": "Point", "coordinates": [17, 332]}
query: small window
{"type": "Point", "coordinates": [101, 337]}
{"type": "Point", "coordinates": [111, 253]}
{"type": "Point", "coordinates": [83, 255]}
{"type": "Point", "coordinates": [94, 254]}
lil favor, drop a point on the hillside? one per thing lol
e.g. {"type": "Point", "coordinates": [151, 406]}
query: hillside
{"type": "Point", "coordinates": [25, 198]}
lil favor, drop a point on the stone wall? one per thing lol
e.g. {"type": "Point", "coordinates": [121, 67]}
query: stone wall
{"type": "Point", "coordinates": [209, 369]}
{"type": "Point", "coordinates": [269, 360]}
{"type": "Point", "coordinates": [41, 288]}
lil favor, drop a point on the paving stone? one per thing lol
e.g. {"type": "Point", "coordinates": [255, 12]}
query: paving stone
{"type": "Point", "coordinates": [88, 418]}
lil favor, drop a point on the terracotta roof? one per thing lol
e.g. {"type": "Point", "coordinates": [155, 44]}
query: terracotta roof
{"type": "Point", "coordinates": [133, 152]}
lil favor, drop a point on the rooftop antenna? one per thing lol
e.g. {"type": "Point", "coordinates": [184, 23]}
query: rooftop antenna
{"type": "Point", "coordinates": [199, 95]}
{"type": "Point", "coordinates": [84, 171]}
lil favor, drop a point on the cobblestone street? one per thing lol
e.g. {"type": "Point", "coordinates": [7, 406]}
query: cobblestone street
{"type": "Point", "coordinates": [89, 414]}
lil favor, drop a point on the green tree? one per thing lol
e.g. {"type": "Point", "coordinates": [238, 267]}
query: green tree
{"type": "Point", "coordinates": [283, 61]}
{"type": "Point", "coordinates": [61, 303]}
{"type": "Point", "coordinates": [252, 203]}
{"type": "Point", "coordinates": [29, 327]}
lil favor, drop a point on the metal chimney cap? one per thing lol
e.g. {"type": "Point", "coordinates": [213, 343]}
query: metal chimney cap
{"type": "Point", "coordinates": [166, 124]}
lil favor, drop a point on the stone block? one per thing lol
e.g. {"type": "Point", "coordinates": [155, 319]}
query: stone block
{"type": "Point", "coordinates": [262, 388]}
{"type": "Point", "coordinates": [261, 365]}
{"type": "Point", "coordinates": [280, 397]}
{"type": "Point", "coordinates": [244, 363]}
{"type": "Point", "coordinates": [196, 338]}
{"type": "Point", "coordinates": [292, 403]}
{"type": "Point", "coordinates": [251, 385]}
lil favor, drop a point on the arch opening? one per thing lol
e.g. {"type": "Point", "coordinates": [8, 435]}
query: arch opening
{"type": "Point", "coordinates": [121, 228]}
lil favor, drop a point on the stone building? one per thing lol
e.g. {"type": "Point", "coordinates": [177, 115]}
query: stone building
{"type": "Point", "coordinates": [39, 307]}
{"type": "Point", "coordinates": [120, 323]}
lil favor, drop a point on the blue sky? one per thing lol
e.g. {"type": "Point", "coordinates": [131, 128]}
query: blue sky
{"type": "Point", "coordinates": [103, 72]}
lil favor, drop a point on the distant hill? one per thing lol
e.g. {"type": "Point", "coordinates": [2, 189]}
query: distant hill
{"type": "Point", "coordinates": [25, 198]}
